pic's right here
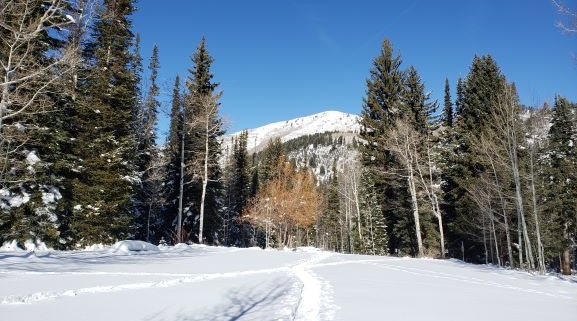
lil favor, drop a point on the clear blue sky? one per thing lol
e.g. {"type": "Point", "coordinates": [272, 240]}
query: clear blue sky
{"type": "Point", "coordinates": [277, 60]}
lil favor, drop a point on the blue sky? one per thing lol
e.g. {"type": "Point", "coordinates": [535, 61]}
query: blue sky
{"type": "Point", "coordinates": [277, 60]}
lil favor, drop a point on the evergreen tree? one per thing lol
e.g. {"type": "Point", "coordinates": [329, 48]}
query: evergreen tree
{"type": "Point", "coordinates": [104, 130]}
{"type": "Point", "coordinates": [172, 179]}
{"type": "Point", "coordinates": [329, 228]}
{"type": "Point", "coordinates": [561, 186]}
{"type": "Point", "coordinates": [37, 56]}
{"type": "Point", "coordinates": [373, 223]}
{"type": "Point", "coordinates": [448, 107]}
{"type": "Point", "coordinates": [273, 151]}
{"type": "Point", "coordinates": [459, 100]}
{"type": "Point", "coordinates": [382, 105]}
{"type": "Point", "coordinates": [238, 192]}
{"type": "Point", "coordinates": [477, 99]}
{"type": "Point", "coordinates": [203, 129]}
{"type": "Point", "coordinates": [149, 161]}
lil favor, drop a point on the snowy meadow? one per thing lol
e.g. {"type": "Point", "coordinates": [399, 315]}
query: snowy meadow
{"type": "Point", "coordinates": [139, 281]}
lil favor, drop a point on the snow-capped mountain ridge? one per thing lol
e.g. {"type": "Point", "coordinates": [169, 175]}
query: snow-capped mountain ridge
{"type": "Point", "coordinates": [328, 121]}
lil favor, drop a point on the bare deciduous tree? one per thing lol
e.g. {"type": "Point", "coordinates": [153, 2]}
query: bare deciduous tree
{"type": "Point", "coordinates": [403, 141]}
{"type": "Point", "coordinates": [28, 67]}
{"type": "Point", "coordinates": [570, 23]}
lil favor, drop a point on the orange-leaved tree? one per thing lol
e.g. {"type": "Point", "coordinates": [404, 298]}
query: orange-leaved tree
{"type": "Point", "coordinates": [286, 206]}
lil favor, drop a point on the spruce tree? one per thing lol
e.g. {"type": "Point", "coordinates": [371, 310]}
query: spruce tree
{"type": "Point", "coordinates": [172, 180]}
{"type": "Point", "coordinates": [381, 108]}
{"type": "Point", "coordinates": [104, 130]}
{"type": "Point", "coordinates": [149, 160]}
{"type": "Point", "coordinates": [477, 99]}
{"type": "Point", "coordinates": [203, 129]}
{"type": "Point", "coordinates": [238, 192]}
{"type": "Point", "coordinates": [448, 106]}
{"type": "Point", "coordinates": [329, 228]}
{"type": "Point", "coordinates": [459, 100]}
{"type": "Point", "coordinates": [561, 186]}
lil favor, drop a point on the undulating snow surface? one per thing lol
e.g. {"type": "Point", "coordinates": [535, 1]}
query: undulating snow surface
{"type": "Point", "coordinates": [328, 121]}
{"type": "Point", "coordinates": [137, 281]}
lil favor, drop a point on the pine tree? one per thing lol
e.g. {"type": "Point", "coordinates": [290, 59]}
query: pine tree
{"type": "Point", "coordinates": [238, 192]}
{"type": "Point", "coordinates": [203, 129]}
{"type": "Point", "coordinates": [149, 160]}
{"type": "Point", "coordinates": [459, 100]}
{"type": "Point", "coordinates": [373, 223]}
{"type": "Point", "coordinates": [383, 104]}
{"type": "Point", "coordinates": [477, 99]}
{"type": "Point", "coordinates": [172, 215]}
{"type": "Point", "coordinates": [104, 130]}
{"type": "Point", "coordinates": [329, 228]}
{"type": "Point", "coordinates": [561, 183]}
{"type": "Point", "coordinates": [448, 107]}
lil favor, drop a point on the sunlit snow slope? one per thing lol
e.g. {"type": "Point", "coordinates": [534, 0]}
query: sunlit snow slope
{"type": "Point", "coordinates": [328, 121]}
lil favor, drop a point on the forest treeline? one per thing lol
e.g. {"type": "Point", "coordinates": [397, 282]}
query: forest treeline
{"type": "Point", "coordinates": [477, 176]}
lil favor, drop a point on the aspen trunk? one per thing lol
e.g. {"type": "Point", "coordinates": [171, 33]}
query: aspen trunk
{"type": "Point", "coordinates": [204, 180]}
{"type": "Point", "coordinates": [180, 192]}
{"type": "Point", "coordinates": [566, 261]}
{"type": "Point", "coordinates": [413, 191]}
{"type": "Point", "coordinates": [540, 255]}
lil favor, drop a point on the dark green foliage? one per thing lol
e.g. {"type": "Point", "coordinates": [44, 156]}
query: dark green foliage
{"type": "Point", "coordinates": [270, 158]}
{"type": "Point", "coordinates": [477, 99]}
{"type": "Point", "coordinates": [200, 89]}
{"type": "Point", "coordinates": [328, 225]}
{"type": "Point", "coordinates": [383, 105]}
{"type": "Point", "coordinates": [34, 136]}
{"type": "Point", "coordinates": [104, 131]}
{"type": "Point", "coordinates": [448, 106]}
{"type": "Point", "coordinates": [302, 142]}
{"type": "Point", "coordinates": [149, 163]}
{"type": "Point", "coordinates": [238, 183]}
{"type": "Point", "coordinates": [172, 153]}
{"type": "Point", "coordinates": [373, 224]}
{"type": "Point", "coordinates": [561, 179]}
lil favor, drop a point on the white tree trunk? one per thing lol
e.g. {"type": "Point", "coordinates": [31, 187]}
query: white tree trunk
{"type": "Point", "coordinates": [413, 190]}
{"type": "Point", "coordinates": [540, 254]}
{"type": "Point", "coordinates": [180, 191]}
{"type": "Point", "coordinates": [204, 182]}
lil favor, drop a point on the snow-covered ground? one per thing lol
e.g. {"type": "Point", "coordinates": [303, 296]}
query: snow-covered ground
{"type": "Point", "coordinates": [184, 283]}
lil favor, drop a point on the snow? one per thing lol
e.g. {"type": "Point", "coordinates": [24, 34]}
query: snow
{"type": "Point", "coordinates": [191, 282]}
{"type": "Point", "coordinates": [51, 196]}
{"type": "Point", "coordinates": [32, 158]}
{"type": "Point", "coordinates": [328, 121]}
{"type": "Point", "coordinates": [126, 247]}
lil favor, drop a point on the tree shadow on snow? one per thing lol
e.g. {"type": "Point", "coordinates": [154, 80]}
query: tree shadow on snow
{"type": "Point", "coordinates": [259, 303]}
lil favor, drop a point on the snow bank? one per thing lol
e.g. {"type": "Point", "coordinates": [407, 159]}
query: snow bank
{"type": "Point", "coordinates": [11, 246]}
{"type": "Point", "coordinates": [29, 245]}
{"type": "Point", "coordinates": [35, 246]}
{"type": "Point", "coordinates": [95, 247]}
{"type": "Point", "coordinates": [133, 246]}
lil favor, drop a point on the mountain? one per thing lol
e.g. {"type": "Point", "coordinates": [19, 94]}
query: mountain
{"type": "Point", "coordinates": [325, 122]}
{"type": "Point", "coordinates": [317, 141]}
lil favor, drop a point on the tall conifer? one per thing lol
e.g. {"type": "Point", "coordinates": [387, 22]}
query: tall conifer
{"type": "Point", "coordinates": [104, 143]}
{"type": "Point", "coordinates": [561, 181]}
{"type": "Point", "coordinates": [448, 106]}
{"type": "Point", "coordinates": [382, 106]}
{"type": "Point", "coordinates": [198, 141]}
